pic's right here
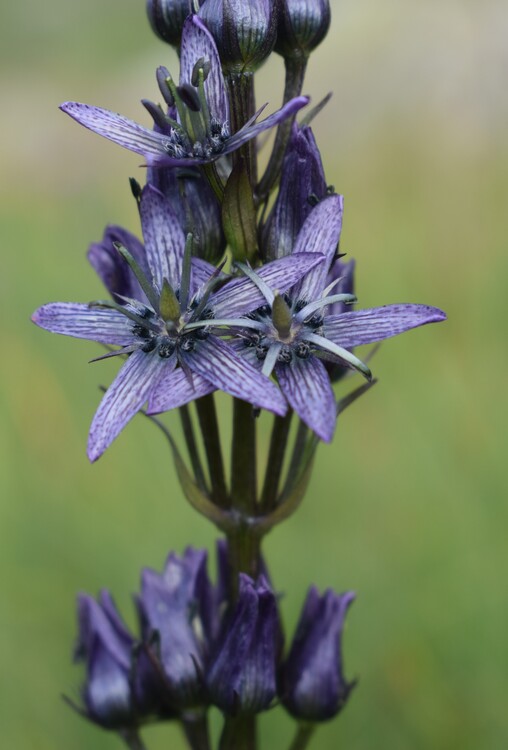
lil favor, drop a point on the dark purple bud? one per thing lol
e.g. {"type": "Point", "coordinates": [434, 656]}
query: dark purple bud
{"type": "Point", "coordinates": [244, 30]}
{"type": "Point", "coordinates": [176, 613]}
{"type": "Point", "coordinates": [116, 693]}
{"type": "Point", "coordinates": [313, 687]}
{"type": "Point", "coordinates": [302, 186]}
{"type": "Point", "coordinates": [302, 26]}
{"type": "Point", "coordinates": [167, 18]}
{"type": "Point", "coordinates": [242, 674]}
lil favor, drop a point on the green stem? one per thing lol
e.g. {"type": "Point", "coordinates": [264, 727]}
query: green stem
{"type": "Point", "coordinates": [296, 457]}
{"type": "Point", "coordinates": [239, 733]}
{"type": "Point", "coordinates": [132, 739]}
{"type": "Point", "coordinates": [277, 451]}
{"type": "Point", "coordinates": [295, 74]}
{"type": "Point", "coordinates": [207, 415]}
{"type": "Point", "coordinates": [243, 459]}
{"type": "Point", "coordinates": [192, 448]}
{"type": "Point", "coordinates": [302, 736]}
{"type": "Point", "coordinates": [195, 726]}
{"type": "Point", "coordinates": [242, 106]}
{"type": "Point", "coordinates": [215, 180]}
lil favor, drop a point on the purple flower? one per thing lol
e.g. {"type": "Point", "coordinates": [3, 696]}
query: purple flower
{"type": "Point", "coordinates": [177, 607]}
{"type": "Point", "coordinates": [302, 26]}
{"type": "Point", "coordinates": [302, 186]}
{"type": "Point", "coordinates": [241, 677]}
{"type": "Point", "coordinates": [244, 30]}
{"type": "Point", "coordinates": [295, 332]}
{"type": "Point", "coordinates": [312, 685]}
{"type": "Point", "coordinates": [201, 131]}
{"type": "Point", "coordinates": [167, 18]}
{"type": "Point", "coordinates": [168, 323]}
{"type": "Point", "coordinates": [118, 690]}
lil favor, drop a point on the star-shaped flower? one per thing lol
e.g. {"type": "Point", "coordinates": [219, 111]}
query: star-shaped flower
{"type": "Point", "coordinates": [200, 132]}
{"type": "Point", "coordinates": [164, 320]}
{"type": "Point", "coordinates": [296, 332]}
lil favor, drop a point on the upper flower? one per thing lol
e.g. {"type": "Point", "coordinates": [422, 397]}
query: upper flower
{"type": "Point", "coordinates": [200, 131]}
{"type": "Point", "coordinates": [165, 323]}
{"type": "Point", "coordinates": [297, 330]}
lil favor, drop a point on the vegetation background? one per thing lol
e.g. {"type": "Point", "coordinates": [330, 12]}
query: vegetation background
{"type": "Point", "coordinates": [408, 506]}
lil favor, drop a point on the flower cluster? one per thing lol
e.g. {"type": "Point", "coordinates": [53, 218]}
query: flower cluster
{"type": "Point", "coordinates": [238, 285]}
{"type": "Point", "coordinates": [193, 650]}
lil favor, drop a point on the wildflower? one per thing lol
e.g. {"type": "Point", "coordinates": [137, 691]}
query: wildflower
{"type": "Point", "coordinates": [119, 688]}
{"type": "Point", "coordinates": [201, 131]}
{"type": "Point", "coordinates": [295, 331]}
{"type": "Point", "coordinates": [168, 324]}
{"type": "Point", "coordinates": [313, 687]}
{"type": "Point", "coordinates": [176, 614]}
{"type": "Point", "coordinates": [241, 675]}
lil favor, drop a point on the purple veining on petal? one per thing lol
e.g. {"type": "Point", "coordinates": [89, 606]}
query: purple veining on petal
{"type": "Point", "coordinates": [176, 389]}
{"type": "Point", "coordinates": [85, 322]}
{"type": "Point", "coordinates": [164, 238]}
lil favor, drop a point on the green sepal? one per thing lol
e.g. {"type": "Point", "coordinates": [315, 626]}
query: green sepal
{"type": "Point", "coordinates": [239, 215]}
{"type": "Point", "coordinates": [169, 306]}
{"type": "Point", "coordinates": [281, 316]}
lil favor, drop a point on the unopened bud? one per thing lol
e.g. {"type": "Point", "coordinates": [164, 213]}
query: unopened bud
{"type": "Point", "coordinates": [167, 18]}
{"type": "Point", "coordinates": [302, 26]}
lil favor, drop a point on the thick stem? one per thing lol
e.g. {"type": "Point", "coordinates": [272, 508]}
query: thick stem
{"type": "Point", "coordinates": [242, 105]}
{"type": "Point", "coordinates": [244, 547]}
{"type": "Point", "coordinates": [295, 74]}
{"type": "Point", "coordinates": [195, 726]}
{"type": "Point", "coordinates": [243, 459]}
{"type": "Point", "coordinates": [239, 733]}
{"type": "Point", "coordinates": [302, 737]}
{"type": "Point", "coordinates": [277, 452]}
{"type": "Point", "coordinates": [207, 415]}
{"type": "Point", "coordinates": [132, 739]}
{"type": "Point", "coordinates": [192, 448]}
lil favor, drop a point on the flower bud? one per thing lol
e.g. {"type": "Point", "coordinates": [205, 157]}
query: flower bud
{"type": "Point", "coordinates": [176, 610]}
{"type": "Point", "coordinates": [302, 185]}
{"type": "Point", "coordinates": [313, 687]}
{"type": "Point", "coordinates": [302, 26]}
{"type": "Point", "coordinates": [241, 675]}
{"type": "Point", "coordinates": [118, 689]}
{"type": "Point", "coordinates": [167, 18]}
{"type": "Point", "coordinates": [244, 30]}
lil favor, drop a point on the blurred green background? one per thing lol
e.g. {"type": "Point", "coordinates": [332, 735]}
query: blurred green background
{"type": "Point", "coordinates": [408, 506]}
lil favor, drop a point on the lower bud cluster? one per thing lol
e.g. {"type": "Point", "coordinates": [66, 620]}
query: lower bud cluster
{"type": "Point", "coordinates": [195, 649]}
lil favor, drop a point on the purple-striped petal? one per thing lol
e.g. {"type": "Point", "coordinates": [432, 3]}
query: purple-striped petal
{"type": "Point", "coordinates": [378, 323]}
{"type": "Point", "coordinates": [248, 132]}
{"type": "Point", "coordinates": [306, 385]}
{"type": "Point", "coordinates": [320, 233]}
{"type": "Point", "coordinates": [197, 42]}
{"type": "Point", "coordinates": [217, 362]}
{"type": "Point", "coordinates": [201, 273]}
{"type": "Point", "coordinates": [118, 129]}
{"type": "Point", "coordinates": [164, 238]}
{"type": "Point", "coordinates": [112, 269]}
{"type": "Point", "coordinates": [85, 322]}
{"type": "Point", "coordinates": [124, 398]}
{"type": "Point", "coordinates": [177, 388]}
{"type": "Point", "coordinates": [241, 296]}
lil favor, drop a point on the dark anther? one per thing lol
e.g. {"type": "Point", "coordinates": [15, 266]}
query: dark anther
{"type": "Point", "coordinates": [312, 199]}
{"type": "Point", "coordinates": [215, 128]}
{"type": "Point", "coordinates": [300, 305]}
{"type": "Point", "coordinates": [135, 188]}
{"type": "Point", "coordinates": [285, 355]}
{"type": "Point", "coordinates": [187, 344]}
{"type": "Point", "coordinates": [141, 331]}
{"type": "Point", "coordinates": [261, 351]}
{"type": "Point", "coordinates": [166, 348]}
{"type": "Point", "coordinates": [189, 97]}
{"type": "Point", "coordinates": [302, 350]}
{"type": "Point", "coordinates": [253, 340]}
{"type": "Point", "coordinates": [203, 65]}
{"type": "Point", "coordinates": [202, 334]}
{"type": "Point", "coordinates": [330, 190]}
{"type": "Point", "coordinates": [315, 321]}
{"type": "Point", "coordinates": [149, 346]}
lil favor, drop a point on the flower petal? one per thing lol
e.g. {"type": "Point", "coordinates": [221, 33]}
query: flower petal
{"type": "Point", "coordinates": [320, 233]}
{"type": "Point", "coordinates": [112, 269]}
{"type": "Point", "coordinates": [85, 322]}
{"type": "Point", "coordinates": [197, 42]}
{"type": "Point", "coordinates": [175, 389]}
{"type": "Point", "coordinates": [117, 128]}
{"type": "Point", "coordinates": [201, 273]}
{"type": "Point", "coordinates": [124, 398]}
{"type": "Point", "coordinates": [306, 385]}
{"type": "Point", "coordinates": [241, 296]}
{"type": "Point", "coordinates": [217, 362]}
{"type": "Point", "coordinates": [248, 132]}
{"type": "Point", "coordinates": [378, 323]}
{"type": "Point", "coordinates": [164, 238]}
